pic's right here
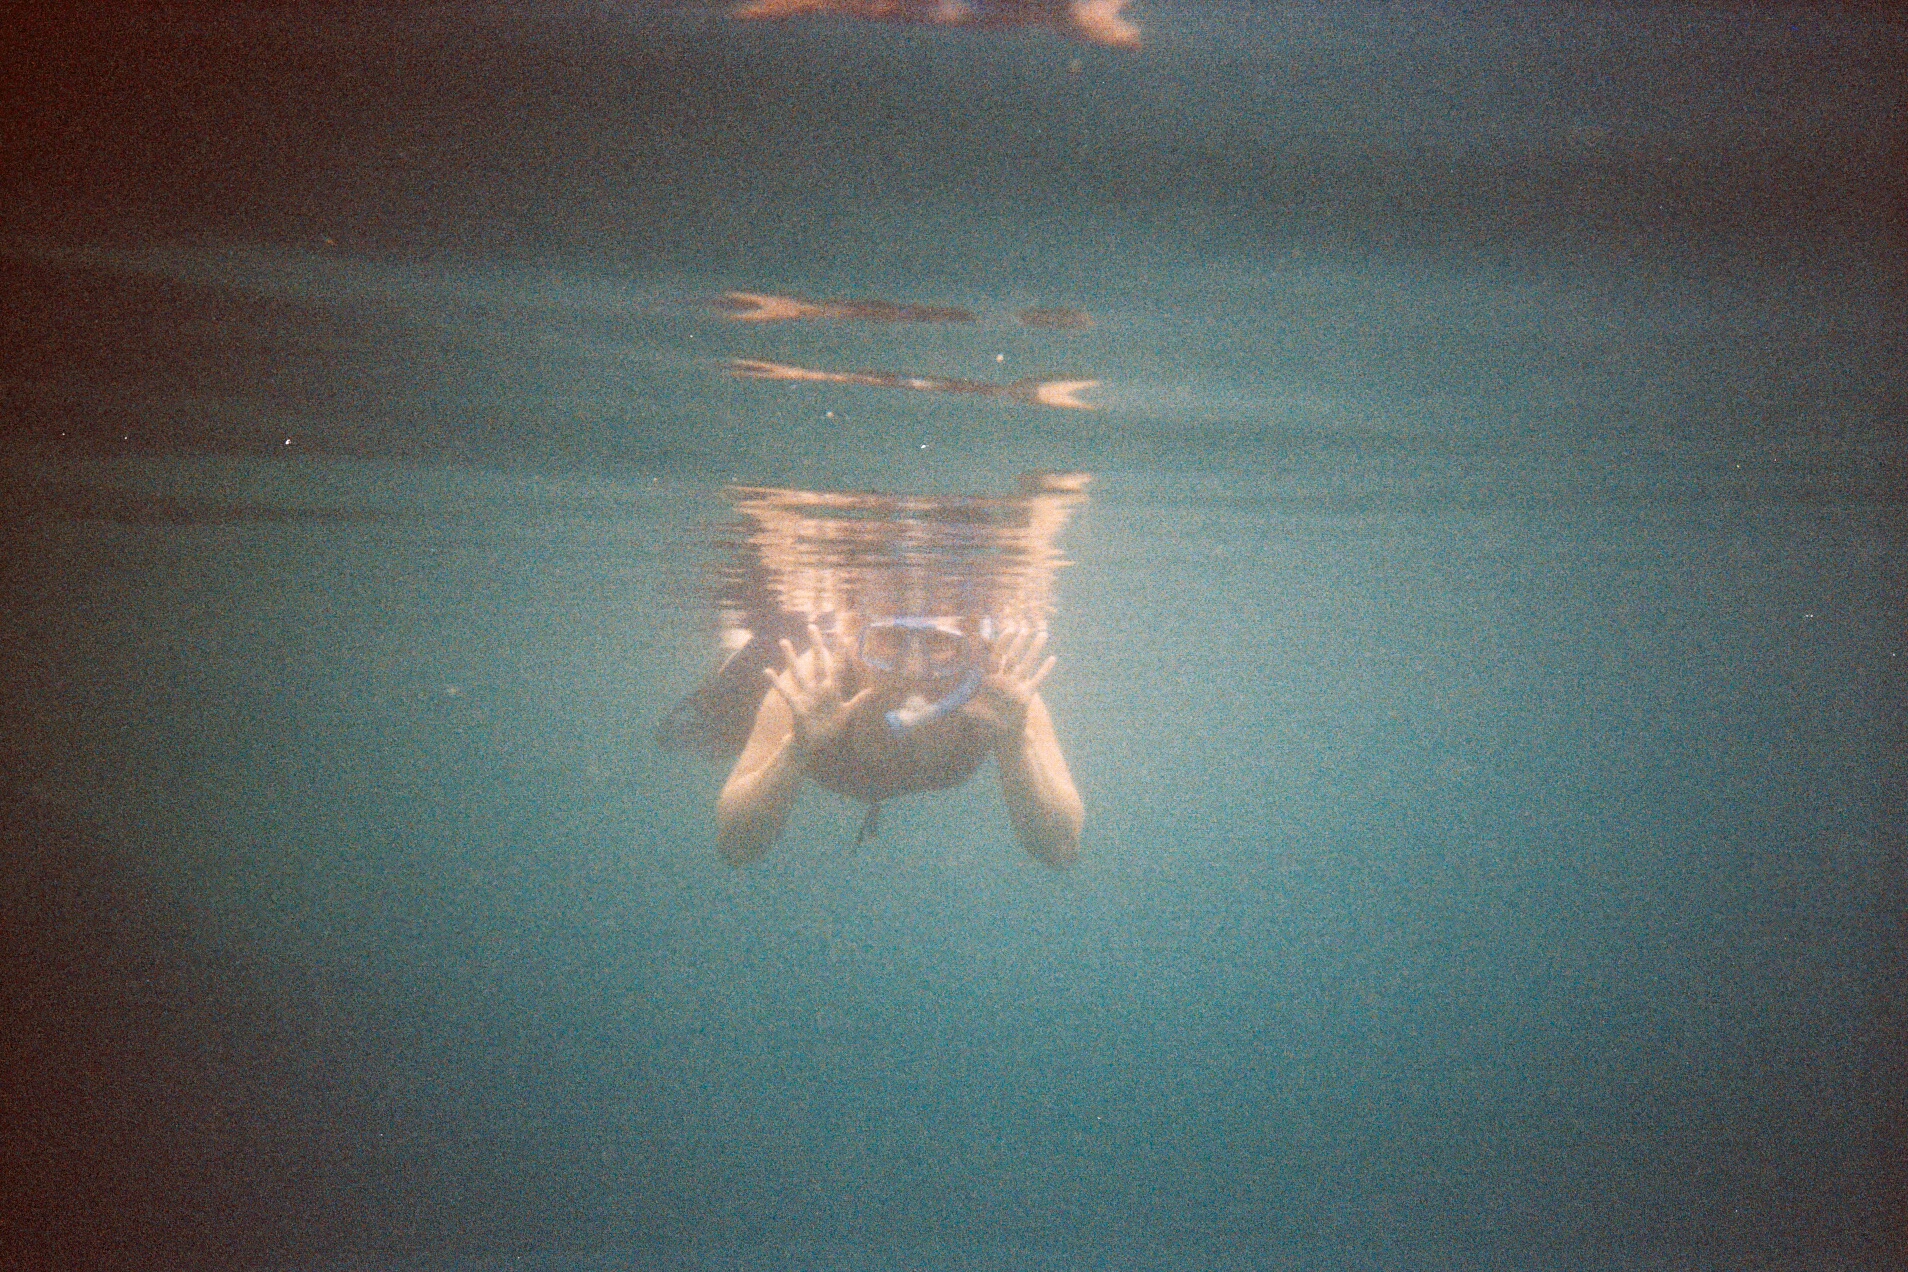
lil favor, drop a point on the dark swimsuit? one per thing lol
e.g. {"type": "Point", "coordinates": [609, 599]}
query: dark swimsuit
{"type": "Point", "coordinates": [871, 763]}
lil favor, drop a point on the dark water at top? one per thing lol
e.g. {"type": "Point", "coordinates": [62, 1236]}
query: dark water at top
{"type": "Point", "coordinates": [1480, 645]}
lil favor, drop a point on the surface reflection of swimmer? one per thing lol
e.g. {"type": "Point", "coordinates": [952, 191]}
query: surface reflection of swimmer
{"type": "Point", "coordinates": [764, 307]}
{"type": "Point", "coordinates": [923, 654]}
{"type": "Point", "coordinates": [1094, 21]}
{"type": "Point", "coordinates": [1060, 393]}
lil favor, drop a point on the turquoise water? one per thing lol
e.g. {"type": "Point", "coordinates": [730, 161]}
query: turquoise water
{"type": "Point", "coordinates": [1480, 655]}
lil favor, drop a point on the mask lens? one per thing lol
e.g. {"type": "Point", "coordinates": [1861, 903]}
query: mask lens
{"type": "Point", "coordinates": [914, 649]}
{"type": "Point", "coordinates": [942, 652]}
{"type": "Point", "coordinates": [883, 647]}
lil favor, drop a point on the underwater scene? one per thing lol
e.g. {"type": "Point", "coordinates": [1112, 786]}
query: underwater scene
{"type": "Point", "coordinates": [953, 634]}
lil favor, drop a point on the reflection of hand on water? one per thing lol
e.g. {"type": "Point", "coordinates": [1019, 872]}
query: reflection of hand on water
{"type": "Point", "coordinates": [1014, 672]}
{"type": "Point", "coordinates": [812, 689]}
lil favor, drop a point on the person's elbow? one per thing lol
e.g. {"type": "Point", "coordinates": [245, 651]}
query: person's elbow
{"type": "Point", "coordinates": [740, 853]}
{"type": "Point", "coordinates": [740, 838]}
{"type": "Point", "coordinates": [1059, 855]}
{"type": "Point", "coordinates": [1057, 843]}
{"type": "Point", "coordinates": [740, 849]}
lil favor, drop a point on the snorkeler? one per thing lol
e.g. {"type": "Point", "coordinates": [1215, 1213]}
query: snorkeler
{"type": "Point", "coordinates": [905, 705]}
{"type": "Point", "coordinates": [1094, 21]}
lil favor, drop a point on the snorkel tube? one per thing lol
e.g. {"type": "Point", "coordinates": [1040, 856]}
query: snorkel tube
{"type": "Point", "coordinates": [901, 719]}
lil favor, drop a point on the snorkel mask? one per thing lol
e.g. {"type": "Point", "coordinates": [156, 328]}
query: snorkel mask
{"type": "Point", "coordinates": [922, 649]}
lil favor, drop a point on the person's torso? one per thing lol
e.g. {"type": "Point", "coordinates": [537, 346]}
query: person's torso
{"type": "Point", "coordinates": [872, 761]}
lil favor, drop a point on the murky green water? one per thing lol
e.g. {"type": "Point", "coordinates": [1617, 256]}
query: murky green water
{"type": "Point", "coordinates": [1480, 648]}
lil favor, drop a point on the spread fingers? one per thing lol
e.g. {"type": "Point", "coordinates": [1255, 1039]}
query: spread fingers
{"type": "Point", "coordinates": [782, 683]}
{"type": "Point", "coordinates": [824, 655]}
{"type": "Point", "coordinates": [1032, 654]}
{"type": "Point", "coordinates": [1016, 646]}
{"type": "Point", "coordinates": [1038, 676]}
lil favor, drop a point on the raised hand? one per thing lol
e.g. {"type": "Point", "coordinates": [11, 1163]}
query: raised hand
{"type": "Point", "coordinates": [1014, 672]}
{"type": "Point", "coordinates": [812, 688]}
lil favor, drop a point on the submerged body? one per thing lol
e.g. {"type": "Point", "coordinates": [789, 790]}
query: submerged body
{"type": "Point", "coordinates": [871, 733]}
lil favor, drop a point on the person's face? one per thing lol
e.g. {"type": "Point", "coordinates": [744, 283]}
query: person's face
{"type": "Point", "coordinates": [908, 661]}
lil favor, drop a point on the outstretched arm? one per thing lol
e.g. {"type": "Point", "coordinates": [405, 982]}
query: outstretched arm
{"type": "Point", "coordinates": [761, 788]}
{"type": "Point", "coordinates": [802, 711]}
{"type": "Point", "coordinates": [1041, 800]}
